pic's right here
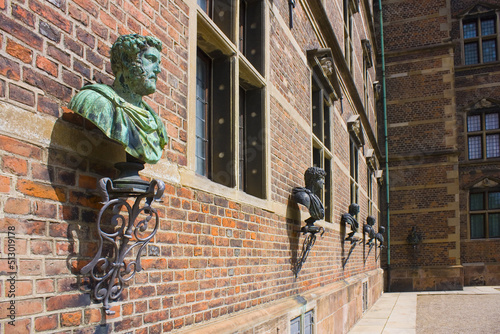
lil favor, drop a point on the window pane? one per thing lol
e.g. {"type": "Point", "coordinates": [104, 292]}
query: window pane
{"type": "Point", "coordinates": [491, 121]}
{"type": "Point", "coordinates": [494, 225]}
{"type": "Point", "coordinates": [470, 29]}
{"type": "Point", "coordinates": [204, 5]}
{"type": "Point", "coordinates": [295, 326]}
{"type": "Point", "coordinates": [489, 50]}
{"type": "Point", "coordinates": [474, 123]}
{"type": "Point", "coordinates": [487, 26]}
{"type": "Point", "coordinates": [475, 147]}
{"type": "Point", "coordinates": [493, 146]}
{"type": "Point", "coordinates": [308, 323]}
{"type": "Point", "coordinates": [471, 53]}
{"type": "Point", "coordinates": [494, 200]}
{"type": "Point", "coordinates": [476, 201]}
{"type": "Point", "coordinates": [202, 72]}
{"type": "Point", "coordinates": [477, 226]}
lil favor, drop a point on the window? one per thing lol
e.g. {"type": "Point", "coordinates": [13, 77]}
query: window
{"type": "Point", "coordinates": [303, 324]}
{"type": "Point", "coordinates": [484, 209]}
{"type": "Point", "coordinates": [348, 28]}
{"type": "Point", "coordinates": [480, 39]}
{"type": "Point", "coordinates": [367, 64]}
{"type": "Point", "coordinates": [230, 143]}
{"type": "Point", "coordinates": [322, 93]}
{"type": "Point", "coordinates": [372, 164]}
{"type": "Point", "coordinates": [356, 140]}
{"type": "Point", "coordinates": [353, 168]}
{"type": "Point", "coordinates": [350, 7]}
{"type": "Point", "coordinates": [483, 135]}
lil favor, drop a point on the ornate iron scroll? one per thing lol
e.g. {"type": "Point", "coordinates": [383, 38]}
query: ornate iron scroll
{"type": "Point", "coordinates": [108, 269]}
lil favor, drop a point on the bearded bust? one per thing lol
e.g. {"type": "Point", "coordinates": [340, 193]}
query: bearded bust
{"type": "Point", "coordinates": [119, 110]}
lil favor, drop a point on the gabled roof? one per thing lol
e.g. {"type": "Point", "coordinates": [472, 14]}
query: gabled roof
{"type": "Point", "coordinates": [484, 103]}
{"type": "Point", "coordinates": [478, 9]}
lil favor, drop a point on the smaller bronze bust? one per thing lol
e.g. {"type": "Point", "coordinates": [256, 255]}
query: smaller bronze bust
{"type": "Point", "coordinates": [368, 229]}
{"type": "Point", "coordinates": [349, 219]}
{"type": "Point", "coordinates": [118, 110]}
{"type": "Point", "coordinates": [314, 178]}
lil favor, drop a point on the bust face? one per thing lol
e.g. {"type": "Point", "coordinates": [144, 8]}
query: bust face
{"type": "Point", "coordinates": [145, 83]}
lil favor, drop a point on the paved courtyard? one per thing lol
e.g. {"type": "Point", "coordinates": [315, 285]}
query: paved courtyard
{"type": "Point", "coordinates": [467, 311]}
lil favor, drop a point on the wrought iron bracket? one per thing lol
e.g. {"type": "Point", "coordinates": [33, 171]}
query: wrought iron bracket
{"type": "Point", "coordinates": [119, 237]}
{"type": "Point", "coordinates": [310, 232]}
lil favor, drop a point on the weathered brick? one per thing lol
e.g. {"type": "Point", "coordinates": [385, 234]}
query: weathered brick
{"type": "Point", "coordinates": [61, 56]}
{"type": "Point", "coordinates": [21, 95]}
{"type": "Point", "coordinates": [9, 68]}
{"type": "Point", "coordinates": [2, 88]}
{"type": "Point", "coordinates": [72, 79]}
{"type": "Point", "coordinates": [49, 31]}
{"type": "Point", "coordinates": [71, 319]}
{"type": "Point", "coordinates": [74, 46]}
{"type": "Point", "coordinates": [23, 15]}
{"type": "Point", "coordinates": [46, 323]}
{"type": "Point", "coordinates": [23, 307]}
{"type": "Point", "coordinates": [51, 15]}
{"type": "Point", "coordinates": [18, 206]}
{"type": "Point", "coordinates": [17, 50]}
{"type": "Point", "coordinates": [81, 68]}
{"type": "Point", "coordinates": [45, 286]}
{"type": "Point", "coordinates": [47, 84]}
{"type": "Point", "coordinates": [67, 301]}
{"type": "Point", "coordinates": [48, 66]}
{"type": "Point", "coordinates": [45, 210]}
{"type": "Point", "coordinates": [15, 165]}
{"type": "Point", "coordinates": [4, 184]}
{"type": "Point", "coordinates": [24, 34]}
{"type": "Point", "coordinates": [47, 106]}
{"type": "Point", "coordinates": [93, 58]}
{"type": "Point", "coordinates": [41, 190]}
{"type": "Point", "coordinates": [89, 6]}
{"type": "Point", "coordinates": [85, 37]}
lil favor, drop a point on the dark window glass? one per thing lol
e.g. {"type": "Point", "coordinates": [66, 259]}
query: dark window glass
{"type": "Point", "coordinates": [494, 200]}
{"type": "Point", "coordinates": [489, 51]}
{"type": "Point", "coordinates": [475, 147]}
{"type": "Point", "coordinates": [487, 26]}
{"type": "Point", "coordinates": [470, 29]}
{"type": "Point", "coordinates": [477, 226]}
{"type": "Point", "coordinates": [474, 123]}
{"type": "Point", "coordinates": [494, 225]}
{"type": "Point", "coordinates": [491, 121]}
{"type": "Point", "coordinates": [202, 112]}
{"type": "Point", "coordinates": [493, 146]}
{"type": "Point", "coordinates": [477, 201]}
{"type": "Point", "coordinates": [471, 53]}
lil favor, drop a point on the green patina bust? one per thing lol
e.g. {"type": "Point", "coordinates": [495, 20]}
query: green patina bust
{"type": "Point", "coordinates": [119, 110]}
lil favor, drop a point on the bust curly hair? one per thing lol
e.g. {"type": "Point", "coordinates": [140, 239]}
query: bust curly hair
{"type": "Point", "coordinates": [126, 48]}
{"type": "Point", "coordinates": [313, 173]}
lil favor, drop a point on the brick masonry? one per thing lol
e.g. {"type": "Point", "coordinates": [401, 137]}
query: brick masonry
{"type": "Point", "coordinates": [429, 91]}
{"type": "Point", "coordinates": [218, 253]}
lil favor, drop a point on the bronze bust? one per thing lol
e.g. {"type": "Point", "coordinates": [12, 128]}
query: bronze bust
{"type": "Point", "coordinates": [119, 110]}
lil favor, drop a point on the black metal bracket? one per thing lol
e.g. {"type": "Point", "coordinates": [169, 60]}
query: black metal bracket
{"type": "Point", "coordinates": [310, 238]}
{"type": "Point", "coordinates": [119, 237]}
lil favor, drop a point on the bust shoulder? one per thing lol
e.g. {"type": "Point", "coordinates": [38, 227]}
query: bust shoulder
{"type": "Point", "coordinates": [301, 197]}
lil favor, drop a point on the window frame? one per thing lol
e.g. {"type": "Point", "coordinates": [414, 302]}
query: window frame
{"type": "Point", "coordinates": [221, 42]}
{"type": "Point", "coordinates": [483, 133]}
{"type": "Point", "coordinates": [485, 212]}
{"type": "Point", "coordinates": [479, 39]}
{"type": "Point", "coordinates": [322, 147]}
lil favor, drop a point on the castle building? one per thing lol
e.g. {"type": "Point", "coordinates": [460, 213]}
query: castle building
{"type": "Point", "coordinates": [252, 93]}
{"type": "Point", "coordinates": [442, 72]}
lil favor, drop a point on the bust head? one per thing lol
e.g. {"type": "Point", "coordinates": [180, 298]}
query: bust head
{"type": "Point", "coordinates": [314, 178]}
{"type": "Point", "coordinates": [353, 209]}
{"type": "Point", "coordinates": [135, 61]}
